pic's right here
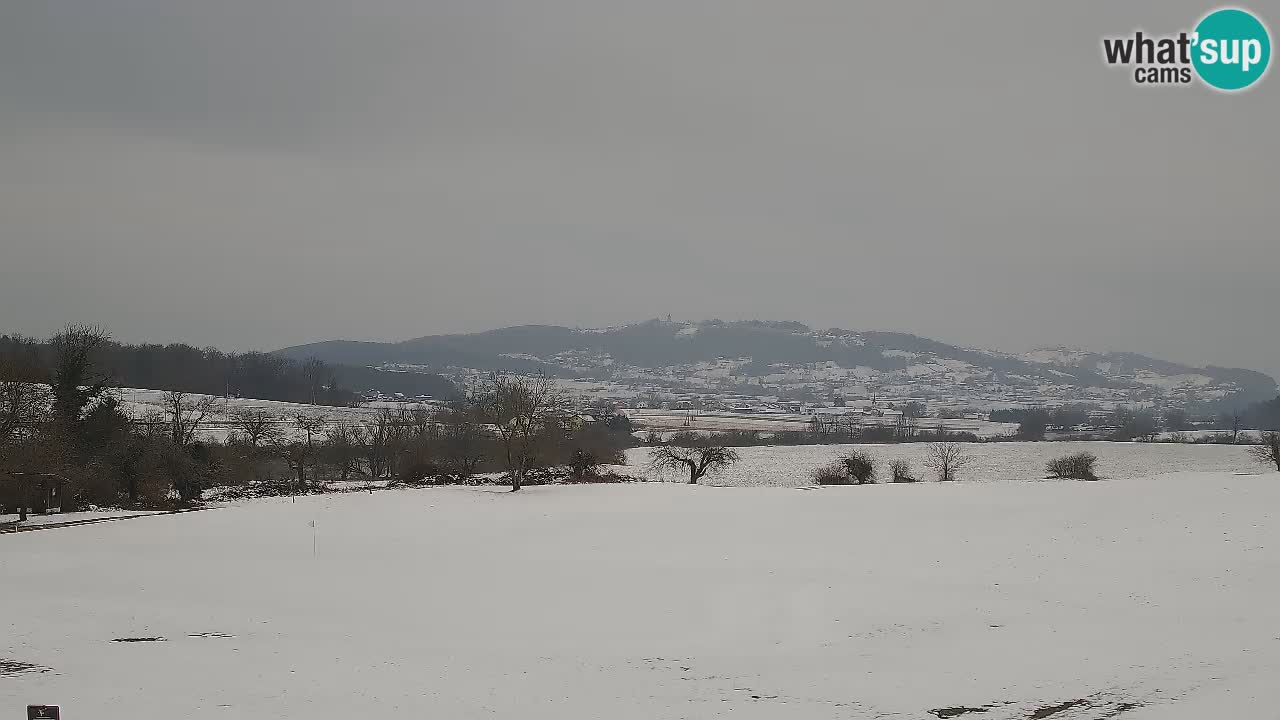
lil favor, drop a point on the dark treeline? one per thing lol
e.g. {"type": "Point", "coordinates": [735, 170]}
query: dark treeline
{"type": "Point", "coordinates": [1260, 415]}
{"type": "Point", "coordinates": [210, 371]}
{"type": "Point", "coordinates": [1122, 423]}
{"type": "Point", "coordinates": [1065, 416]}
{"type": "Point", "coordinates": [65, 441]}
{"type": "Point", "coordinates": [1129, 423]}
{"type": "Point", "coordinates": [484, 434]}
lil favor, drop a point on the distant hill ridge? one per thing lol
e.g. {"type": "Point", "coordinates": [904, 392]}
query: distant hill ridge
{"type": "Point", "coordinates": [778, 344]}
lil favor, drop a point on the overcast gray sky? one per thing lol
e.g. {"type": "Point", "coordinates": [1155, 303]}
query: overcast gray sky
{"type": "Point", "coordinates": [260, 173]}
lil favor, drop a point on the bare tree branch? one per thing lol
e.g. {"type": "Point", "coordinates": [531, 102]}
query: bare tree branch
{"type": "Point", "coordinates": [697, 460]}
{"type": "Point", "coordinates": [946, 458]}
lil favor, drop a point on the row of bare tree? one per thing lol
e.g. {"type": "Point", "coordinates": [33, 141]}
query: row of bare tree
{"type": "Point", "coordinates": [523, 426]}
{"type": "Point", "coordinates": [68, 433]}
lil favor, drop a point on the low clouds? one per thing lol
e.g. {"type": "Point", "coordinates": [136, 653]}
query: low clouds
{"type": "Point", "coordinates": [257, 174]}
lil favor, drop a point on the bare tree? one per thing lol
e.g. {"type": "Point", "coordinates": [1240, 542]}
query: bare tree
{"type": "Point", "coordinates": [359, 434]}
{"type": "Point", "coordinates": [399, 434]}
{"type": "Point", "coordinates": [185, 414]}
{"type": "Point", "coordinates": [853, 425]}
{"type": "Point", "coordinates": [375, 437]}
{"type": "Point", "coordinates": [1235, 420]}
{"type": "Point", "coordinates": [697, 460]}
{"type": "Point", "coordinates": [342, 450]}
{"type": "Point", "coordinates": [255, 427]}
{"type": "Point", "coordinates": [154, 424]}
{"type": "Point", "coordinates": [521, 409]}
{"type": "Point", "coordinates": [129, 459]}
{"type": "Point", "coordinates": [22, 406]}
{"type": "Point", "coordinates": [24, 398]}
{"type": "Point", "coordinates": [300, 454]}
{"type": "Point", "coordinates": [1269, 451]}
{"type": "Point", "coordinates": [314, 374]}
{"type": "Point", "coordinates": [421, 421]}
{"type": "Point", "coordinates": [946, 458]}
{"type": "Point", "coordinates": [77, 378]}
{"type": "Point", "coordinates": [462, 442]}
{"type": "Point", "coordinates": [310, 426]}
{"type": "Point", "coordinates": [901, 472]}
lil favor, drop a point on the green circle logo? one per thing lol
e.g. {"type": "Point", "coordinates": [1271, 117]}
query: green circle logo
{"type": "Point", "coordinates": [1232, 49]}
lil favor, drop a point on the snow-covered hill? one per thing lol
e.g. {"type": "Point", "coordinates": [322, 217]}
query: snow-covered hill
{"type": "Point", "coordinates": [1175, 381]}
{"type": "Point", "coordinates": [789, 361]}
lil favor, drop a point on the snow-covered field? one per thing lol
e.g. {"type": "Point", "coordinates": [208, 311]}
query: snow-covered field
{"type": "Point", "coordinates": [140, 403]}
{"type": "Point", "coordinates": [1138, 599]}
{"type": "Point", "coordinates": [789, 466]}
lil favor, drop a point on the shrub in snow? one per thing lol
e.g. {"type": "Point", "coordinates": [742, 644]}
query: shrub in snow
{"type": "Point", "coordinates": [584, 464]}
{"type": "Point", "coordinates": [860, 466]}
{"type": "Point", "coordinates": [856, 468]}
{"type": "Point", "coordinates": [419, 470]}
{"type": "Point", "coordinates": [1077, 467]}
{"type": "Point", "coordinates": [833, 474]}
{"type": "Point", "coordinates": [183, 472]}
{"type": "Point", "coordinates": [901, 471]}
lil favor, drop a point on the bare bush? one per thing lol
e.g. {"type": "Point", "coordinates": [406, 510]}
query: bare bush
{"type": "Point", "coordinates": [376, 439]}
{"type": "Point", "coordinates": [584, 465]}
{"type": "Point", "coordinates": [132, 460]}
{"type": "Point", "coordinates": [900, 470]}
{"type": "Point", "coordinates": [184, 473]}
{"type": "Point", "coordinates": [1079, 466]}
{"type": "Point", "coordinates": [301, 454]}
{"type": "Point", "coordinates": [831, 474]}
{"type": "Point", "coordinates": [462, 442]}
{"type": "Point", "coordinates": [342, 450]}
{"type": "Point", "coordinates": [855, 468]}
{"type": "Point", "coordinates": [419, 467]}
{"type": "Point", "coordinates": [860, 466]}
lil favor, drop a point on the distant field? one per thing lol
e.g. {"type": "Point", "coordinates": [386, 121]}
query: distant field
{"type": "Point", "coordinates": [789, 466]}
{"type": "Point", "coordinates": [139, 402]}
{"type": "Point", "coordinates": [781, 422]}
